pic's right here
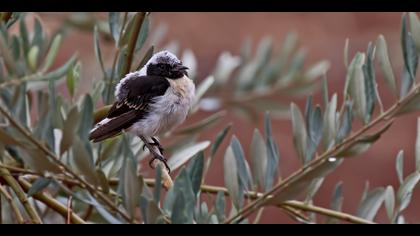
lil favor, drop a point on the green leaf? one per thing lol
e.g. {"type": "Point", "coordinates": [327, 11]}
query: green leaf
{"type": "Point", "coordinates": [370, 83]}
{"type": "Point", "coordinates": [144, 32]}
{"type": "Point", "coordinates": [363, 143]}
{"type": "Point", "coordinates": [39, 185]}
{"type": "Point", "coordinates": [390, 201]}
{"type": "Point", "coordinates": [104, 213]}
{"type": "Point", "coordinates": [385, 63]}
{"type": "Point", "coordinates": [259, 158]}
{"type": "Point", "coordinates": [69, 129]}
{"type": "Point", "coordinates": [130, 185]}
{"type": "Point", "coordinates": [52, 53]}
{"type": "Point", "coordinates": [272, 154]}
{"type": "Point", "coordinates": [299, 132]}
{"type": "Point", "coordinates": [412, 105]}
{"type": "Point", "coordinates": [346, 123]}
{"type": "Point", "coordinates": [231, 178]}
{"type": "Point", "coordinates": [103, 181]}
{"type": "Point", "coordinates": [158, 184]}
{"type": "Point", "coordinates": [39, 162]}
{"type": "Point", "coordinates": [84, 161]}
{"type": "Point", "coordinates": [60, 72]}
{"type": "Point", "coordinates": [415, 29]}
{"type": "Point", "coordinates": [114, 25]}
{"type": "Point", "coordinates": [370, 205]}
{"type": "Point", "coordinates": [154, 213]}
{"type": "Point", "coordinates": [8, 139]}
{"type": "Point", "coordinates": [313, 189]}
{"type": "Point", "coordinates": [146, 57]}
{"type": "Point", "coordinates": [201, 90]}
{"type": "Point", "coordinates": [418, 145]}
{"type": "Point", "coordinates": [324, 91]}
{"type": "Point", "coordinates": [355, 82]}
{"type": "Point", "coordinates": [179, 215]}
{"type": "Point", "coordinates": [300, 185]}
{"type": "Point", "coordinates": [220, 206]}
{"type": "Point", "coordinates": [72, 79]}
{"type": "Point", "coordinates": [187, 153]}
{"type": "Point", "coordinates": [219, 139]}
{"type": "Point", "coordinates": [317, 70]}
{"type": "Point", "coordinates": [33, 58]}
{"type": "Point", "coordinates": [86, 117]}
{"type": "Point", "coordinates": [195, 171]}
{"type": "Point", "coordinates": [346, 53]}
{"type": "Point", "coordinates": [184, 201]}
{"type": "Point", "coordinates": [337, 201]}
{"type": "Point", "coordinates": [330, 127]}
{"type": "Point", "coordinates": [38, 36]}
{"type": "Point", "coordinates": [202, 124]}
{"type": "Point", "coordinates": [406, 191]}
{"type": "Point", "coordinates": [244, 171]}
{"type": "Point", "coordinates": [410, 57]}
{"type": "Point", "coordinates": [23, 30]}
{"type": "Point", "coordinates": [399, 165]}
{"type": "Point", "coordinates": [98, 53]}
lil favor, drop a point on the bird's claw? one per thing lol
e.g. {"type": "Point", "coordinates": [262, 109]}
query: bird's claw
{"type": "Point", "coordinates": [162, 159]}
{"type": "Point", "coordinates": [155, 143]}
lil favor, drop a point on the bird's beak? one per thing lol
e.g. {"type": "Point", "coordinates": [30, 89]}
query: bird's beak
{"type": "Point", "coordinates": [183, 69]}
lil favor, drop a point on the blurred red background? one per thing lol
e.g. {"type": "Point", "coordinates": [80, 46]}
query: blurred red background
{"type": "Point", "coordinates": [323, 34]}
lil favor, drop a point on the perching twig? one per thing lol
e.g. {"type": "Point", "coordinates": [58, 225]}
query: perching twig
{"type": "Point", "coordinates": [166, 178]}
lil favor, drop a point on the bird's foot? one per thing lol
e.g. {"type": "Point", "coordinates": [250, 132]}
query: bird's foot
{"type": "Point", "coordinates": [162, 159]}
{"type": "Point", "coordinates": [155, 143]}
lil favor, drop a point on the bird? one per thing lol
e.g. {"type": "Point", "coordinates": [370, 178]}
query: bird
{"type": "Point", "coordinates": [149, 102]}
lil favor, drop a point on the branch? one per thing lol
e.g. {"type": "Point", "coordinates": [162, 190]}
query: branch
{"type": "Point", "coordinates": [138, 21]}
{"type": "Point", "coordinates": [12, 203]}
{"type": "Point", "coordinates": [65, 169]}
{"type": "Point", "coordinates": [52, 203]}
{"type": "Point", "coordinates": [348, 142]}
{"type": "Point", "coordinates": [21, 195]}
{"type": "Point", "coordinates": [215, 189]}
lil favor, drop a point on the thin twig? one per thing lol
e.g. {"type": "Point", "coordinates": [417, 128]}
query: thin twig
{"type": "Point", "coordinates": [12, 203]}
{"type": "Point", "coordinates": [14, 185]}
{"type": "Point", "coordinates": [348, 142]}
{"type": "Point", "coordinates": [52, 203]}
{"type": "Point", "coordinates": [327, 212]}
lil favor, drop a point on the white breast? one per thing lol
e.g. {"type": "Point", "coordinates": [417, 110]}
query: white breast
{"type": "Point", "coordinates": [169, 110]}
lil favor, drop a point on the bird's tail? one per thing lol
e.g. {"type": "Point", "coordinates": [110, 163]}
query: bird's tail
{"type": "Point", "coordinates": [111, 127]}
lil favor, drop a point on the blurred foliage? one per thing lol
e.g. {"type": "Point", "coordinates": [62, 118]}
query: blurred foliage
{"type": "Point", "coordinates": [51, 173]}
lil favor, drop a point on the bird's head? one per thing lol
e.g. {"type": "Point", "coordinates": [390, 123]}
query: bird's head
{"type": "Point", "coordinates": [167, 65]}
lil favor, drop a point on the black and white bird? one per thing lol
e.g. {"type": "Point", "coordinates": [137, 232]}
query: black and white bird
{"type": "Point", "coordinates": [149, 102]}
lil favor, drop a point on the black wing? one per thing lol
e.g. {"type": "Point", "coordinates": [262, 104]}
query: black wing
{"type": "Point", "coordinates": [140, 92]}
